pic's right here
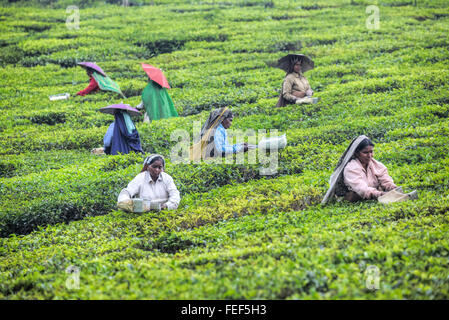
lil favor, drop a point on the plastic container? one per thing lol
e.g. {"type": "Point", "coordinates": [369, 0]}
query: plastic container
{"type": "Point", "coordinates": [273, 143]}
{"type": "Point", "coordinates": [61, 96]}
{"type": "Point", "coordinates": [144, 205]}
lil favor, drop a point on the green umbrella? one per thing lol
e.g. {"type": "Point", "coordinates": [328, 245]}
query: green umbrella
{"type": "Point", "coordinates": [106, 83]}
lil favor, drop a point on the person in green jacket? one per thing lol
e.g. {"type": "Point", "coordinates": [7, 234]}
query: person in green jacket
{"type": "Point", "coordinates": [157, 103]}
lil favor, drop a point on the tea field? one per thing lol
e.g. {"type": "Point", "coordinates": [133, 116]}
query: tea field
{"type": "Point", "coordinates": [237, 234]}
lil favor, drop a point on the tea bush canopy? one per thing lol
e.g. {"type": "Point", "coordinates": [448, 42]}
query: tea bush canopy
{"type": "Point", "coordinates": [237, 233]}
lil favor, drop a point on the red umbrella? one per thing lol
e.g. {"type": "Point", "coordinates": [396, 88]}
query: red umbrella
{"type": "Point", "coordinates": [156, 75]}
{"type": "Point", "coordinates": [125, 107]}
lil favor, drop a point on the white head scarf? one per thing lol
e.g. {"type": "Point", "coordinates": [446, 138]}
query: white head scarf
{"type": "Point", "coordinates": [151, 157]}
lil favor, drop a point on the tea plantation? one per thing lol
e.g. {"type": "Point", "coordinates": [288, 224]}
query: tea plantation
{"type": "Point", "coordinates": [237, 234]}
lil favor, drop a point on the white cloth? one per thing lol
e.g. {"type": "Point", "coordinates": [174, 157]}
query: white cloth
{"type": "Point", "coordinates": [305, 100]}
{"type": "Point", "coordinates": [163, 190]}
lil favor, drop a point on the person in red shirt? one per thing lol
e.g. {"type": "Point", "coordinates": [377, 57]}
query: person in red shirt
{"type": "Point", "coordinates": [93, 85]}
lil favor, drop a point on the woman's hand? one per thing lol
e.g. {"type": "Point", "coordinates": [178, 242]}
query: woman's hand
{"type": "Point", "coordinates": [126, 205]}
{"type": "Point", "coordinates": [309, 92]}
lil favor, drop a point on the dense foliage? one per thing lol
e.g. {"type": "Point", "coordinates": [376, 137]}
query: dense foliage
{"type": "Point", "coordinates": [237, 233]}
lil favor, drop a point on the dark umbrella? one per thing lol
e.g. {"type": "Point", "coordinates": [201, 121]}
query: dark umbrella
{"type": "Point", "coordinates": [125, 107]}
{"type": "Point", "coordinates": [285, 62]}
{"type": "Point", "coordinates": [92, 66]}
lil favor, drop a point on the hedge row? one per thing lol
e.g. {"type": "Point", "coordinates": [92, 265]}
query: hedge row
{"type": "Point", "coordinates": [280, 244]}
{"type": "Point", "coordinates": [79, 191]}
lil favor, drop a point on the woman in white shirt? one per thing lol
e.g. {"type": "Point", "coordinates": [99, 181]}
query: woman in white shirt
{"type": "Point", "coordinates": [153, 184]}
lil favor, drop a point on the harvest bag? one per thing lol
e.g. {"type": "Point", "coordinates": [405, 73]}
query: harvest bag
{"type": "Point", "coordinates": [273, 143]}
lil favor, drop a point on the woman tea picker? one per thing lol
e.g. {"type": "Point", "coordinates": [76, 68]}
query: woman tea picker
{"type": "Point", "coordinates": [214, 138]}
{"type": "Point", "coordinates": [122, 135]}
{"type": "Point", "coordinates": [93, 85]}
{"type": "Point", "coordinates": [155, 98]}
{"type": "Point", "coordinates": [98, 80]}
{"type": "Point", "coordinates": [359, 176]}
{"type": "Point", "coordinates": [152, 188]}
{"type": "Point", "coordinates": [295, 88]}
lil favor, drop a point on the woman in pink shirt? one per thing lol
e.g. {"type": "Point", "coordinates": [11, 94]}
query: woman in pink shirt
{"type": "Point", "coordinates": [358, 176]}
{"type": "Point", "coordinates": [365, 177]}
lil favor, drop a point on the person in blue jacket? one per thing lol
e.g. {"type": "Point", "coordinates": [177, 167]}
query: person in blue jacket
{"type": "Point", "coordinates": [214, 132]}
